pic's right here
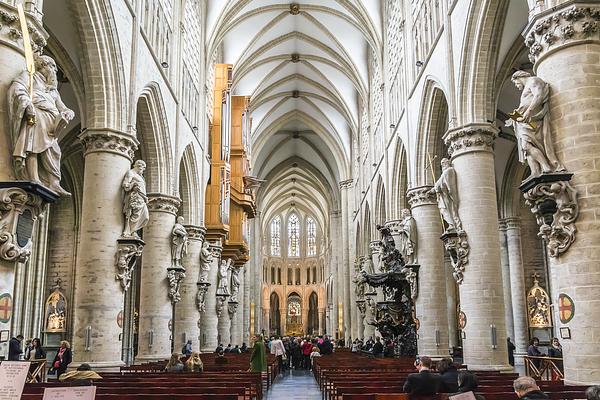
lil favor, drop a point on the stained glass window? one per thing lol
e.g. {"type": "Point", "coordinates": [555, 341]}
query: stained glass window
{"type": "Point", "coordinates": [311, 237]}
{"type": "Point", "coordinates": [276, 236]}
{"type": "Point", "coordinates": [293, 236]}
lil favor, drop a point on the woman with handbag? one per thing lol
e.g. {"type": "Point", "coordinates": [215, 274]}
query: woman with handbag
{"type": "Point", "coordinates": [63, 358]}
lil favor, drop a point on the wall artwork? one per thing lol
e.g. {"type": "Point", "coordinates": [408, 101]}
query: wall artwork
{"type": "Point", "coordinates": [566, 308]}
{"type": "Point", "coordinates": [538, 306]}
{"type": "Point", "coordinates": [56, 311]}
{"type": "Point", "coordinates": [5, 308]}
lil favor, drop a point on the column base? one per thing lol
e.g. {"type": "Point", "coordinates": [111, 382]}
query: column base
{"type": "Point", "coordinates": [519, 360]}
{"type": "Point", "coordinates": [151, 358]}
{"type": "Point", "coordinates": [105, 366]}
{"type": "Point", "coordinates": [486, 367]}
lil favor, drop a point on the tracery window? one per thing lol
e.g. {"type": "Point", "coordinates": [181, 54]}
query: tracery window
{"type": "Point", "coordinates": [293, 236]}
{"type": "Point", "coordinates": [276, 236]}
{"type": "Point", "coordinates": [311, 237]}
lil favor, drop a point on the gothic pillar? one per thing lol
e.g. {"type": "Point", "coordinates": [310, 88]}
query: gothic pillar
{"type": "Point", "coordinates": [517, 285]}
{"type": "Point", "coordinates": [452, 303]}
{"type": "Point", "coordinates": [246, 306]}
{"type": "Point", "coordinates": [345, 188]}
{"type": "Point", "coordinates": [209, 318]}
{"type": "Point", "coordinates": [98, 297]}
{"type": "Point", "coordinates": [156, 309]}
{"type": "Point", "coordinates": [321, 314]}
{"type": "Point", "coordinates": [481, 292]}
{"type": "Point", "coordinates": [234, 312]}
{"type": "Point", "coordinates": [432, 302]}
{"type": "Point", "coordinates": [187, 317]}
{"type": "Point", "coordinates": [504, 262]}
{"type": "Point", "coordinates": [564, 43]}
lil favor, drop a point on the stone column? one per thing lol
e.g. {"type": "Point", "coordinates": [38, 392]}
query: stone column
{"type": "Point", "coordinates": [236, 329]}
{"type": "Point", "coordinates": [98, 297]}
{"type": "Point", "coordinates": [481, 292]}
{"type": "Point", "coordinates": [156, 309]}
{"type": "Point", "coordinates": [570, 64]}
{"type": "Point", "coordinates": [452, 302]}
{"type": "Point", "coordinates": [187, 317]}
{"type": "Point", "coordinates": [504, 262]}
{"type": "Point", "coordinates": [345, 188]}
{"type": "Point", "coordinates": [246, 307]}
{"type": "Point", "coordinates": [224, 320]}
{"type": "Point", "coordinates": [432, 302]}
{"type": "Point", "coordinates": [208, 319]}
{"type": "Point", "coordinates": [517, 287]}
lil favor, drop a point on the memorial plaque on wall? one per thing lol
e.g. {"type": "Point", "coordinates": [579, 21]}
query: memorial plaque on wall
{"type": "Point", "coordinates": [24, 228]}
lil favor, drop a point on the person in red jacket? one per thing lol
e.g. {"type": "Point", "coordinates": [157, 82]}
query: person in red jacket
{"type": "Point", "coordinates": [306, 350]}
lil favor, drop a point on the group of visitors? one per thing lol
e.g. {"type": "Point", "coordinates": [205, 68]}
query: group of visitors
{"type": "Point", "coordinates": [33, 350]}
{"type": "Point", "coordinates": [193, 363]}
{"type": "Point", "coordinates": [299, 352]}
{"type": "Point", "coordinates": [378, 347]}
{"type": "Point", "coordinates": [229, 349]}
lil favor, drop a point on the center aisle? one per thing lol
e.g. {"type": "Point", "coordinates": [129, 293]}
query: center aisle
{"type": "Point", "coordinates": [294, 385]}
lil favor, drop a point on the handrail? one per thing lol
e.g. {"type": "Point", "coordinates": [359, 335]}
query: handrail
{"type": "Point", "coordinates": [37, 370]}
{"type": "Point", "coordinates": [544, 368]}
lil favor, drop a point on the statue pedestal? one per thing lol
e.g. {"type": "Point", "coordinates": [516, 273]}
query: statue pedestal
{"type": "Point", "coordinates": [21, 203]}
{"type": "Point", "coordinates": [553, 201]}
{"type": "Point", "coordinates": [458, 247]}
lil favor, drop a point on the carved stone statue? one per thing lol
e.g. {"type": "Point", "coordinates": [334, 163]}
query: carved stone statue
{"type": "Point", "coordinates": [206, 259]}
{"type": "Point", "coordinates": [359, 284]}
{"type": "Point", "coordinates": [179, 243]}
{"type": "Point", "coordinates": [235, 283]}
{"type": "Point", "coordinates": [532, 125]}
{"type": "Point", "coordinates": [37, 116]}
{"type": "Point", "coordinates": [446, 190]}
{"type": "Point", "coordinates": [135, 202]}
{"type": "Point", "coordinates": [407, 241]}
{"type": "Point", "coordinates": [223, 282]}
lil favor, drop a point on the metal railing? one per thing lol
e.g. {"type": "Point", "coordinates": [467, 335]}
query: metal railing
{"type": "Point", "coordinates": [544, 368]}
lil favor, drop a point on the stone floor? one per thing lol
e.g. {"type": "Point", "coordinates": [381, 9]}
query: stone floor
{"type": "Point", "coordinates": [294, 385]}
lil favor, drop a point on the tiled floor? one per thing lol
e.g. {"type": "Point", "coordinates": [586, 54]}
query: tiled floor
{"type": "Point", "coordinates": [294, 385]}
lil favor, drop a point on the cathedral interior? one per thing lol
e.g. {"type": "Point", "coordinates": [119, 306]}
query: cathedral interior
{"type": "Point", "coordinates": [212, 170]}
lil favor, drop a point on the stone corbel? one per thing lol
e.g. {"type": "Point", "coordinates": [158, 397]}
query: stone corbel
{"type": "Point", "coordinates": [175, 276]}
{"type": "Point", "coordinates": [221, 300]}
{"type": "Point", "coordinates": [362, 307]}
{"type": "Point", "coordinates": [201, 296]}
{"type": "Point", "coordinates": [21, 203]}
{"type": "Point", "coordinates": [553, 201]}
{"type": "Point", "coordinates": [128, 250]}
{"type": "Point", "coordinates": [458, 247]}
{"type": "Point", "coordinates": [232, 307]}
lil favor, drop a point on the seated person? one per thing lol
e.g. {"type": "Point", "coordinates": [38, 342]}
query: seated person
{"type": "Point", "coordinates": [467, 382]}
{"type": "Point", "coordinates": [423, 383]}
{"type": "Point", "coordinates": [194, 363]}
{"type": "Point", "coordinates": [527, 389]}
{"type": "Point", "coordinates": [448, 374]}
{"type": "Point", "coordinates": [221, 359]}
{"type": "Point", "coordinates": [174, 364]}
{"type": "Point", "coordinates": [593, 393]}
{"type": "Point", "coordinates": [83, 376]}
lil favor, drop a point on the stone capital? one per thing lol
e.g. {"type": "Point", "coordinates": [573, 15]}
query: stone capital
{"type": "Point", "coordinates": [108, 141]}
{"type": "Point", "coordinates": [470, 138]}
{"type": "Point", "coordinates": [512, 223]}
{"type": "Point", "coordinates": [195, 232]}
{"type": "Point", "coordinates": [502, 225]}
{"type": "Point", "coordinates": [421, 196]}
{"type": "Point", "coordinates": [11, 28]}
{"type": "Point", "coordinates": [347, 184]}
{"type": "Point", "coordinates": [572, 23]}
{"type": "Point", "coordinates": [158, 202]}
{"type": "Point", "coordinates": [393, 226]}
{"type": "Point", "coordinates": [215, 248]}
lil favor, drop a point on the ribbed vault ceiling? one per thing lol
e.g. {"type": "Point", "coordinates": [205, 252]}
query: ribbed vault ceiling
{"type": "Point", "coordinates": [305, 66]}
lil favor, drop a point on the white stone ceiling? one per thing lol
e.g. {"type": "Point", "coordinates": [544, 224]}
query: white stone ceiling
{"type": "Point", "coordinates": [306, 71]}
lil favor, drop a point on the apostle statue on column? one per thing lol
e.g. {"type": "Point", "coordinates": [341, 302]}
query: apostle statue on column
{"type": "Point", "coordinates": [531, 124]}
{"type": "Point", "coordinates": [135, 202]}
{"type": "Point", "coordinates": [223, 282]}
{"type": "Point", "coordinates": [179, 243]}
{"type": "Point", "coordinates": [206, 259]}
{"type": "Point", "coordinates": [407, 241]}
{"type": "Point", "coordinates": [37, 117]}
{"type": "Point", "coordinates": [235, 283]}
{"type": "Point", "coordinates": [446, 190]}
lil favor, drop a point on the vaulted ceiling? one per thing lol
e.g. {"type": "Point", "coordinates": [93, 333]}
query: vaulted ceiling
{"type": "Point", "coordinates": [305, 66]}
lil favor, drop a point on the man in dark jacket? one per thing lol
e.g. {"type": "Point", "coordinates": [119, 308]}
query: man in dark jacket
{"type": "Point", "coordinates": [527, 389]}
{"type": "Point", "coordinates": [14, 348]}
{"type": "Point", "coordinates": [378, 348]}
{"type": "Point", "coordinates": [424, 383]}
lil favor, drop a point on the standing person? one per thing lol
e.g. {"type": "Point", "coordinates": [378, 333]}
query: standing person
{"type": "Point", "coordinates": [278, 350]}
{"type": "Point", "coordinates": [314, 353]}
{"type": "Point", "coordinates": [187, 349]}
{"type": "Point", "coordinates": [326, 347]}
{"type": "Point", "coordinates": [511, 351]}
{"type": "Point", "coordinates": [14, 348]}
{"type": "Point", "coordinates": [424, 383]}
{"type": "Point", "coordinates": [534, 351]}
{"type": "Point", "coordinates": [35, 351]}
{"type": "Point", "coordinates": [258, 359]}
{"type": "Point", "coordinates": [527, 389]}
{"type": "Point", "coordinates": [306, 350]}
{"type": "Point", "coordinates": [555, 351]}
{"type": "Point", "coordinates": [63, 358]}
{"type": "Point", "coordinates": [378, 347]}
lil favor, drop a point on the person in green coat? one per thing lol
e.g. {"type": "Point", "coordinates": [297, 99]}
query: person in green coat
{"type": "Point", "coordinates": [258, 360]}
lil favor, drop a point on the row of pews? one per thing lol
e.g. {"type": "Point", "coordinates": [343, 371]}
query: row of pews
{"type": "Point", "coordinates": [230, 381]}
{"type": "Point", "coordinates": [351, 376]}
